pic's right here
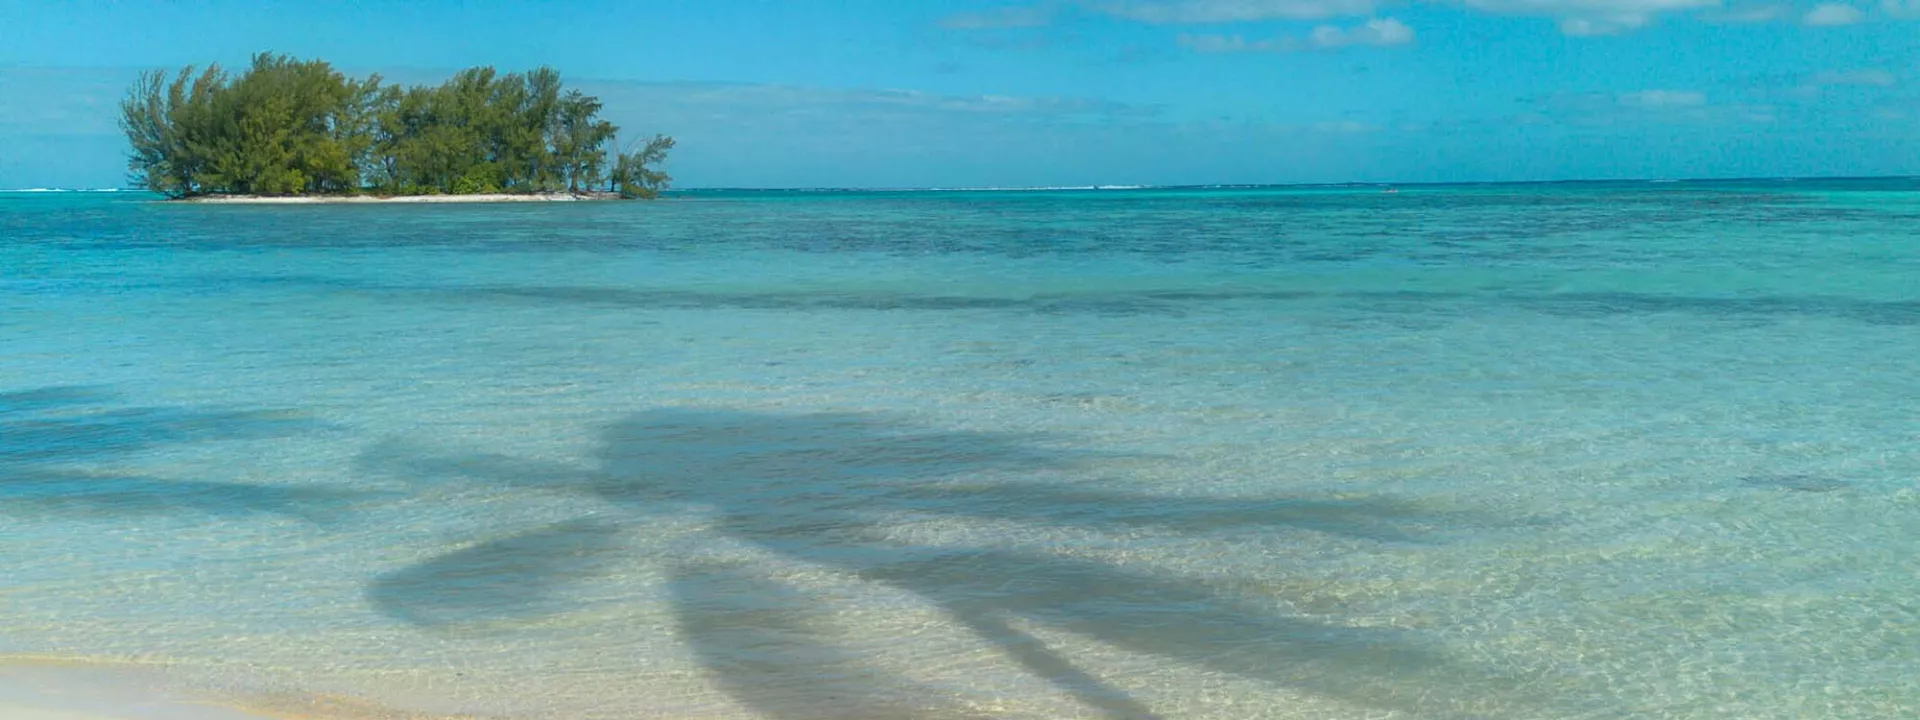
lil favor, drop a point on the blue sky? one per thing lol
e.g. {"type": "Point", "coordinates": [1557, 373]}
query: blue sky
{"type": "Point", "coordinates": [897, 93]}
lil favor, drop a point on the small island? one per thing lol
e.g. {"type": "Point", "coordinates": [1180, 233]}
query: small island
{"type": "Point", "coordinates": [289, 131]}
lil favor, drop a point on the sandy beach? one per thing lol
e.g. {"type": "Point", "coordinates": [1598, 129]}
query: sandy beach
{"type": "Point", "coordinates": [34, 688]}
{"type": "Point", "coordinates": [358, 199]}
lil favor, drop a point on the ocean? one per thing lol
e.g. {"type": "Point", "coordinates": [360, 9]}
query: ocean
{"type": "Point", "coordinates": [1582, 450]}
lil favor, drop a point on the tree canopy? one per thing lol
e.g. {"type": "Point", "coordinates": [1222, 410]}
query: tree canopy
{"type": "Point", "coordinates": [292, 127]}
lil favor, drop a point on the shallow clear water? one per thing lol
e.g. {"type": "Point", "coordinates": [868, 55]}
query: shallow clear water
{"type": "Point", "coordinates": [1596, 450]}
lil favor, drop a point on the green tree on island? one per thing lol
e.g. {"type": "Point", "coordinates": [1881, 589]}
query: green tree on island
{"type": "Point", "coordinates": [298, 127]}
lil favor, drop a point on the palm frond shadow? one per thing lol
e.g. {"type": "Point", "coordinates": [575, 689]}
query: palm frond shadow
{"type": "Point", "coordinates": [117, 496]}
{"type": "Point", "coordinates": [825, 490]}
{"type": "Point", "coordinates": [1176, 618]}
{"type": "Point", "coordinates": [506, 578]}
{"type": "Point", "coordinates": [59, 446]}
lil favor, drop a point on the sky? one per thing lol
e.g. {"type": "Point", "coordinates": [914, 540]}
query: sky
{"type": "Point", "coordinates": [997, 93]}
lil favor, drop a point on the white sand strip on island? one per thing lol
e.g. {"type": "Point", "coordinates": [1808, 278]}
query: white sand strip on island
{"type": "Point", "coordinates": [47, 689]}
{"type": "Point", "coordinates": [333, 199]}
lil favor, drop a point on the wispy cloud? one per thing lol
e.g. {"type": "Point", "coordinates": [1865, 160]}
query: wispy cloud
{"type": "Point", "coordinates": [779, 135]}
{"type": "Point", "coordinates": [1580, 18]}
{"type": "Point", "coordinates": [1592, 17]}
{"type": "Point", "coordinates": [1748, 14]}
{"type": "Point", "coordinates": [1376, 33]}
{"type": "Point", "coordinates": [1829, 14]}
{"type": "Point", "coordinates": [1591, 27]}
{"type": "Point", "coordinates": [1379, 32]}
{"type": "Point", "coordinates": [1203, 12]}
{"type": "Point", "coordinates": [1660, 106]}
{"type": "Point", "coordinates": [1662, 99]}
{"type": "Point", "coordinates": [1817, 84]}
{"type": "Point", "coordinates": [62, 101]}
{"type": "Point", "coordinates": [1011, 16]}
{"type": "Point", "coordinates": [1005, 39]}
{"type": "Point", "coordinates": [1157, 12]}
{"type": "Point", "coordinates": [1832, 15]}
{"type": "Point", "coordinates": [1867, 77]}
{"type": "Point", "coordinates": [731, 101]}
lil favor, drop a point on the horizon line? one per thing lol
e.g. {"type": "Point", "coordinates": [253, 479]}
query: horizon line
{"type": "Point", "coordinates": [1182, 186]}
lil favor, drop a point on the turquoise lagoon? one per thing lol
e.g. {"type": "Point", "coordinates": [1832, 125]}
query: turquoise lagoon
{"type": "Point", "coordinates": [1592, 450]}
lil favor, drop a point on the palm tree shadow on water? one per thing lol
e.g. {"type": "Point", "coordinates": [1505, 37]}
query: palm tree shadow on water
{"type": "Point", "coordinates": [62, 450]}
{"type": "Point", "coordinates": [825, 490]}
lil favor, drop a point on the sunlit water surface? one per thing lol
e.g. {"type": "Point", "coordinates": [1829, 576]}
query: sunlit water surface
{"type": "Point", "coordinates": [1614, 450]}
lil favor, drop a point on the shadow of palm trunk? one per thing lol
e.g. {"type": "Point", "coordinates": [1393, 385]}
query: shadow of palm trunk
{"type": "Point", "coordinates": [772, 649]}
{"type": "Point", "coordinates": [1033, 655]}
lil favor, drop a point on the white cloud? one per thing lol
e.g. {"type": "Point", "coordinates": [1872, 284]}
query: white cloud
{"type": "Point", "coordinates": [1816, 84]}
{"type": "Point", "coordinates": [1199, 12]}
{"type": "Point", "coordinates": [1904, 9]}
{"type": "Point", "coordinates": [1833, 14]}
{"type": "Point", "coordinates": [1588, 27]}
{"type": "Point", "coordinates": [1592, 17]}
{"type": "Point", "coordinates": [1379, 32]}
{"type": "Point", "coordinates": [1663, 99]}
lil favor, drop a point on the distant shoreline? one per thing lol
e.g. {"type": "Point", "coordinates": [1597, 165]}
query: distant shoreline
{"type": "Point", "coordinates": [345, 199]}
